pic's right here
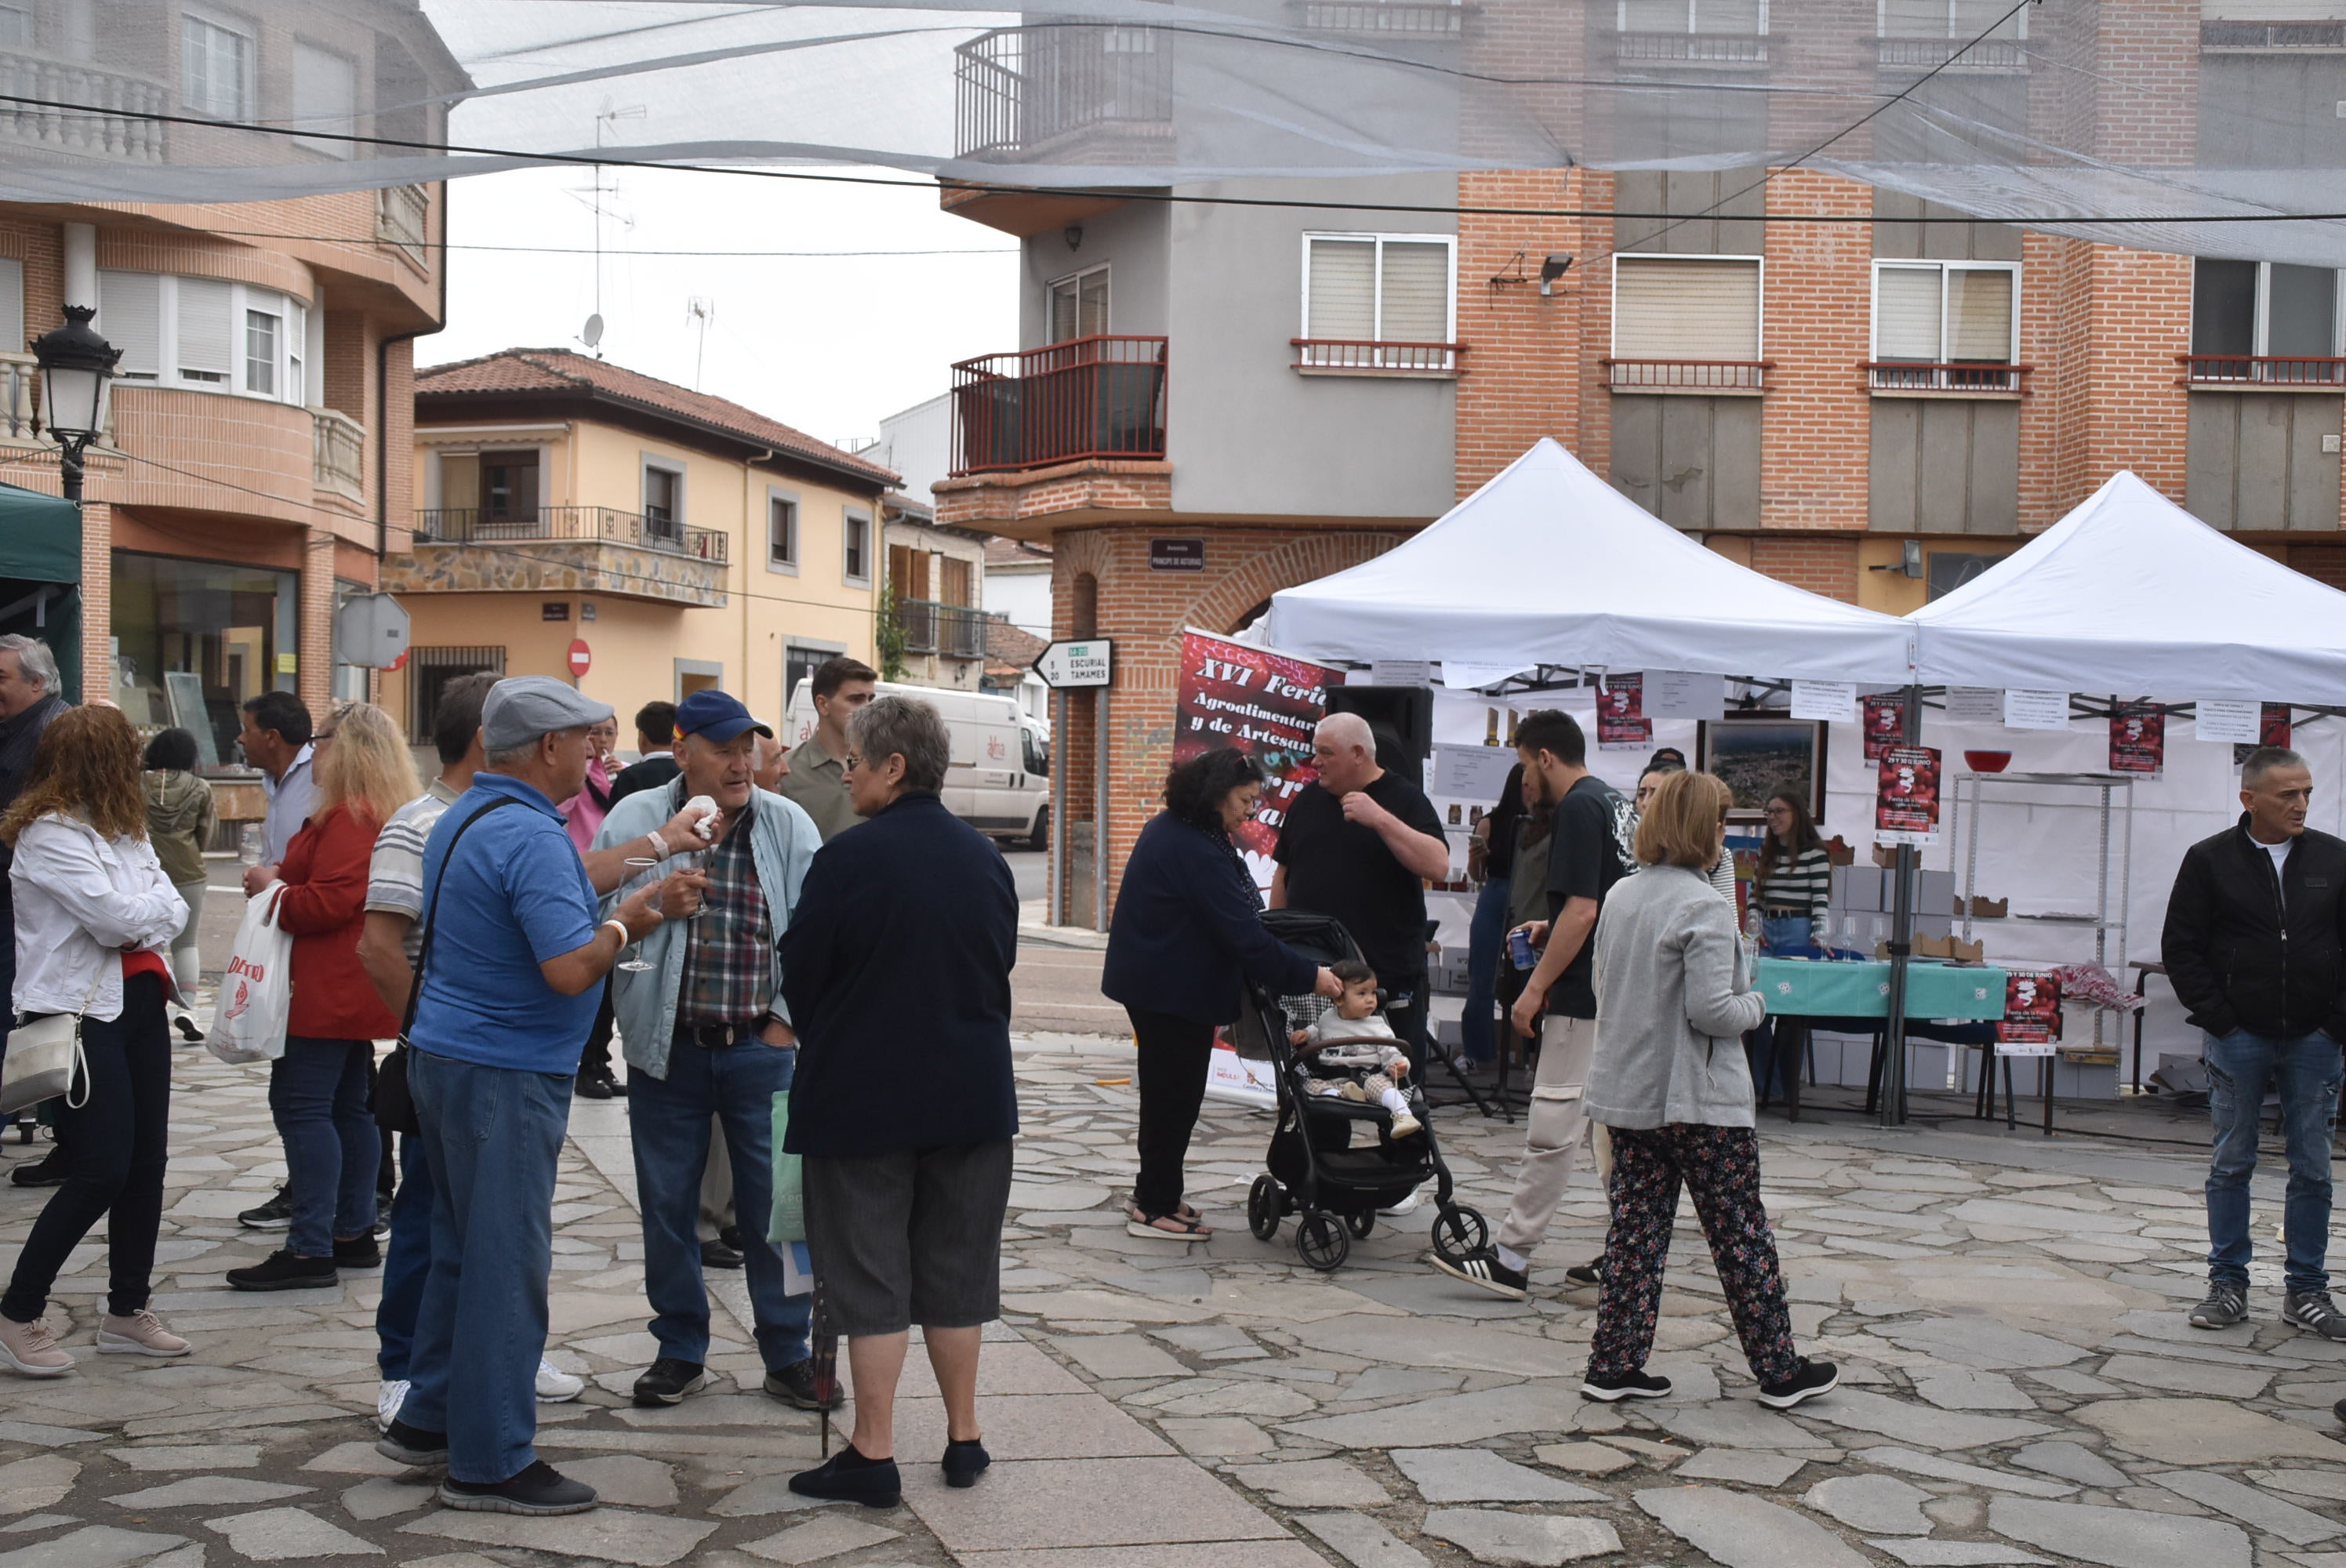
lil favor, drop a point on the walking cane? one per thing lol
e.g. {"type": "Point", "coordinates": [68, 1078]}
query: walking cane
{"type": "Point", "coordinates": [823, 1346]}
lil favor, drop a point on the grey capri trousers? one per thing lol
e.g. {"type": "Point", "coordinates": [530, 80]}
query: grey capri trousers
{"type": "Point", "coordinates": [908, 1236]}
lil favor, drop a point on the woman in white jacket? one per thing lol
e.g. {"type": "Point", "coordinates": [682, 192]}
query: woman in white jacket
{"type": "Point", "coordinates": [1670, 1081]}
{"type": "Point", "coordinates": [94, 919]}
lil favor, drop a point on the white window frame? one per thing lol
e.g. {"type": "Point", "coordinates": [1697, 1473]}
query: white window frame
{"type": "Point", "coordinates": [1051, 289]}
{"type": "Point", "coordinates": [1613, 302]}
{"type": "Point", "coordinates": [850, 518]}
{"type": "Point", "coordinates": [1380, 358]}
{"type": "Point", "coordinates": [2260, 331]}
{"type": "Point", "coordinates": [650, 463]}
{"type": "Point", "coordinates": [1882, 265]}
{"type": "Point", "coordinates": [791, 498]}
{"type": "Point", "coordinates": [1881, 23]}
{"type": "Point", "coordinates": [291, 368]}
{"type": "Point", "coordinates": [246, 88]}
{"type": "Point", "coordinates": [1694, 17]}
{"type": "Point", "coordinates": [279, 341]}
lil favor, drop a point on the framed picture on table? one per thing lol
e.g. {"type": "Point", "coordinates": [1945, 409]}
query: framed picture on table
{"type": "Point", "coordinates": [1762, 755]}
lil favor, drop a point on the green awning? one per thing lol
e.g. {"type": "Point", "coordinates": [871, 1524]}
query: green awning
{"type": "Point", "coordinates": [40, 536]}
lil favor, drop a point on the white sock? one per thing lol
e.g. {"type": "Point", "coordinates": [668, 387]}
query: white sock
{"type": "Point", "coordinates": [1513, 1259]}
{"type": "Point", "coordinates": [1393, 1100]}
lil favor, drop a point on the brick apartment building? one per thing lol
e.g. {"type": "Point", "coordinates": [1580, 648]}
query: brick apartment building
{"type": "Point", "coordinates": [1872, 408]}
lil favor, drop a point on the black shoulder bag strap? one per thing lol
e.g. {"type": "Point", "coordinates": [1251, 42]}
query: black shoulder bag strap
{"type": "Point", "coordinates": [395, 1107]}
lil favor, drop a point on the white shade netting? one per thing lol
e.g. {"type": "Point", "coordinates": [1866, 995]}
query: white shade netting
{"type": "Point", "coordinates": [2202, 125]}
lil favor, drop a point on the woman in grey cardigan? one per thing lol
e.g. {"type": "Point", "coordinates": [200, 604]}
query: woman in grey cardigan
{"type": "Point", "coordinates": [1669, 1080]}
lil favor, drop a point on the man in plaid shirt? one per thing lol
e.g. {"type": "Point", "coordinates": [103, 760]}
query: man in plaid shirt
{"type": "Point", "coordinates": [706, 1034]}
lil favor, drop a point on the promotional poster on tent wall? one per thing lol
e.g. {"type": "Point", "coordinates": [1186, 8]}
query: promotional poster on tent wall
{"type": "Point", "coordinates": [1885, 724]}
{"type": "Point", "coordinates": [2032, 1015]}
{"type": "Point", "coordinates": [1620, 714]}
{"type": "Point", "coordinates": [1265, 704]}
{"type": "Point", "coordinates": [2273, 729]}
{"type": "Point", "coordinates": [1906, 796]}
{"type": "Point", "coordinates": [2138, 738]}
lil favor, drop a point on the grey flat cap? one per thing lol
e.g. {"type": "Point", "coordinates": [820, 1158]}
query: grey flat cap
{"type": "Point", "coordinates": [521, 709]}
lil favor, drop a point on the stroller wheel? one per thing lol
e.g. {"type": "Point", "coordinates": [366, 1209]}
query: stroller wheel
{"type": "Point", "coordinates": [1458, 1231]}
{"type": "Point", "coordinates": [1320, 1240]}
{"type": "Point", "coordinates": [1360, 1224]}
{"type": "Point", "coordinates": [1262, 1207]}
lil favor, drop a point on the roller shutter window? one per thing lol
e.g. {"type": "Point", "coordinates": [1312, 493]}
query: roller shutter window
{"type": "Point", "coordinates": [1415, 305]}
{"type": "Point", "coordinates": [207, 339]}
{"type": "Point", "coordinates": [325, 97]}
{"type": "Point", "coordinates": [1343, 290]}
{"type": "Point", "coordinates": [131, 316]}
{"type": "Point", "coordinates": [1653, 15]}
{"type": "Point", "coordinates": [1979, 316]}
{"type": "Point", "coordinates": [1906, 309]}
{"type": "Point", "coordinates": [12, 304]}
{"type": "Point", "coordinates": [1695, 308]}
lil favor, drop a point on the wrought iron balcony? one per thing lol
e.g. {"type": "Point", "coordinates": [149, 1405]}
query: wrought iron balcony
{"type": "Point", "coordinates": [1402, 19]}
{"type": "Point", "coordinates": [1087, 399]}
{"type": "Point", "coordinates": [1021, 91]}
{"type": "Point", "coordinates": [953, 631]}
{"type": "Point", "coordinates": [1692, 48]}
{"type": "Point", "coordinates": [1743, 377]}
{"type": "Point", "coordinates": [1918, 376]}
{"type": "Point", "coordinates": [2264, 373]}
{"type": "Point", "coordinates": [475, 526]}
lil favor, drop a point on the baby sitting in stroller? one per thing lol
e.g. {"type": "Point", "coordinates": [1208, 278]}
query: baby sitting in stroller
{"type": "Point", "coordinates": [1357, 1063]}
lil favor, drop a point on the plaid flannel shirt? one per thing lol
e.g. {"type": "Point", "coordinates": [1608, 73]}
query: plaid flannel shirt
{"type": "Point", "coordinates": [729, 954]}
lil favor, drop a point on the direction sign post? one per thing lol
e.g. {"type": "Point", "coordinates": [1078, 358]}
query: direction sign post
{"type": "Point", "coordinates": [1077, 666]}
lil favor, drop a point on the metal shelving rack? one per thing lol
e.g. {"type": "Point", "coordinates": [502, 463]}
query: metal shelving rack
{"type": "Point", "coordinates": [2116, 791]}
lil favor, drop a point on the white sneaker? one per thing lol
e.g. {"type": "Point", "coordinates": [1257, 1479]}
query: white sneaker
{"type": "Point", "coordinates": [387, 1400]}
{"type": "Point", "coordinates": [1409, 1204]}
{"type": "Point", "coordinates": [1403, 1125]}
{"type": "Point", "coordinates": [557, 1387]}
{"type": "Point", "coordinates": [32, 1349]}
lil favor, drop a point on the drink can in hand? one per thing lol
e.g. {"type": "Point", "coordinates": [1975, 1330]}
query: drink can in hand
{"type": "Point", "coordinates": [1519, 948]}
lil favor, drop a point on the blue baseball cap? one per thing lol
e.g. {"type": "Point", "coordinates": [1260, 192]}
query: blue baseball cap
{"type": "Point", "coordinates": [717, 715]}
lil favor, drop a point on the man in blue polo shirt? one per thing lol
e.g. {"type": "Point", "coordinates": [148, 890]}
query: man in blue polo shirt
{"type": "Point", "coordinates": [511, 981]}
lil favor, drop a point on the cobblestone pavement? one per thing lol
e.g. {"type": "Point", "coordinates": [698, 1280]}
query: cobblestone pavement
{"type": "Point", "coordinates": [2019, 1386]}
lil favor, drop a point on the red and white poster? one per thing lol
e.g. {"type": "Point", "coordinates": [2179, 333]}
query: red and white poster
{"type": "Point", "coordinates": [2274, 728]}
{"type": "Point", "coordinates": [2138, 738]}
{"type": "Point", "coordinates": [1621, 720]}
{"type": "Point", "coordinates": [2032, 1015]}
{"type": "Point", "coordinates": [1906, 796]}
{"type": "Point", "coordinates": [1265, 704]}
{"type": "Point", "coordinates": [1885, 724]}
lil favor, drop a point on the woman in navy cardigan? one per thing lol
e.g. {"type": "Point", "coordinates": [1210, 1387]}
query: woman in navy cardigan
{"type": "Point", "coordinates": [1187, 933]}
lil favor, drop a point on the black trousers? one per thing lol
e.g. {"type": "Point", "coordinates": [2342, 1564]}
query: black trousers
{"type": "Point", "coordinates": [594, 1061]}
{"type": "Point", "coordinates": [1174, 1055]}
{"type": "Point", "coordinates": [118, 1143]}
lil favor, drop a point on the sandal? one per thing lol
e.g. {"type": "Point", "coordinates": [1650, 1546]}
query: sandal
{"type": "Point", "coordinates": [1164, 1227]}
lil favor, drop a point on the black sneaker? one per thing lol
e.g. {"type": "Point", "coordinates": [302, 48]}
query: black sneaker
{"type": "Point", "coordinates": [2226, 1304]}
{"type": "Point", "coordinates": [2315, 1313]}
{"type": "Point", "coordinates": [715, 1254]}
{"type": "Point", "coordinates": [277, 1214]}
{"type": "Point", "coordinates": [187, 1028]}
{"type": "Point", "coordinates": [357, 1252]}
{"type": "Point", "coordinates": [1606, 1390]}
{"type": "Point", "coordinates": [731, 1236]}
{"type": "Point", "coordinates": [1813, 1380]}
{"type": "Point", "coordinates": [592, 1086]}
{"type": "Point", "coordinates": [2339, 1409]}
{"type": "Point", "coordinates": [1585, 1276]}
{"type": "Point", "coordinates": [413, 1446]}
{"type": "Point", "coordinates": [965, 1459]}
{"type": "Point", "coordinates": [281, 1270]}
{"type": "Point", "coordinates": [667, 1380]}
{"type": "Point", "coordinates": [49, 1170]}
{"type": "Point", "coordinates": [539, 1489]}
{"type": "Point", "coordinates": [794, 1385]}
{"type": "Point", "coordinates": [848, 1477]}
{"type": "Point", "coordinates": [1482, 1268]}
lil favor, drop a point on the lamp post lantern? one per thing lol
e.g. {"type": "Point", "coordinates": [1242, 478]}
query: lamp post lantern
{"type": "Point", "coordinates": [76, 370]}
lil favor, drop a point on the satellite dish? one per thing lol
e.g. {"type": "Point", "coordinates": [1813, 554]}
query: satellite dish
{"type": "Point", "coordinates": [592, 334]}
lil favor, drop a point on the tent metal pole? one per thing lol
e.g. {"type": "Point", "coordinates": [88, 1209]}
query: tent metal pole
{"type": "Point", "coordinates": [1892, 1106]}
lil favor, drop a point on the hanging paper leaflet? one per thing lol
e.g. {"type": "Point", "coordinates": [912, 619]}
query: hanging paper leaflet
{"type": "Point", "coordinates": [1621, 722]}
{"type": "Point", "coordinates": [1885, 724]}
{"type": "Point", "coordinates": [1906, 796]}
{"type": "Point", "coordinates": [2138, 737]}
{"type": "Point", "coordinates": [1263, 704]}
{"type": "Point", "coordinates": [2032, 1015]}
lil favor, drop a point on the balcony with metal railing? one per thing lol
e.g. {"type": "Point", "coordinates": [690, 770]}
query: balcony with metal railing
{"type": "Point", "coordinates": [578, 549]}
{"type": "Point", "coordinates": [2263, 373]}
{"type": "Point", "coordinates": [82, 111]}
{"type": "Point", "coordinates": [1735, 378]}
{"type": "Point", "coordinates": [1397, 19]}
{"type": "Point", "coordinates": [1951, 56]}
{"type": "Point", "coordinates": [1022, 92]}
{"type": "Point", "coordinates": [949, 631]}
{"type": "Point", "coordinates": [1085, 399]}
{"type": "Point", "coordinates": [1721, 49]}
{"type": "Point", "coordinates": [1346, 356]}
{"type": "Point", "coordinates": [1960, 378]}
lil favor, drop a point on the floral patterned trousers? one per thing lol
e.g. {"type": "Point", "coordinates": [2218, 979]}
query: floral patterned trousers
{"type": "Point", "coordinates": [1720, 1167]}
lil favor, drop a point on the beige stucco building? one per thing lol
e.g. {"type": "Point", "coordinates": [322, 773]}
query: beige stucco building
{"type": "Point", "coordinates": [685, 541]}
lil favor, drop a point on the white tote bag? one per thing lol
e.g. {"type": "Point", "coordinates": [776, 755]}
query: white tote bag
{"type": "Point", "coordinates": [256, 994]}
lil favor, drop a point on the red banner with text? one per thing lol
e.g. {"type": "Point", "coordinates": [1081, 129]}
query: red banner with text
{"type": "Point", "coordinates": [1263, 704]}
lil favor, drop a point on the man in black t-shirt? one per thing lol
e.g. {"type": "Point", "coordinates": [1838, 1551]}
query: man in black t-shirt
{"type": "Point", "coordinates": [1361, 845]}
{"type": "Point", "coordinates": [1588, 851]}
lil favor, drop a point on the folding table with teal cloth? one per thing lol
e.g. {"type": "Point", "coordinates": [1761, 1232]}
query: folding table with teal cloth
{"type": "Point", "coordinates": [1849, 996]}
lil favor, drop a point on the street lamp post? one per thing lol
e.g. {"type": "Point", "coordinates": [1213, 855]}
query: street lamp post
{"type": "Point", "coordinates": [76, 372]}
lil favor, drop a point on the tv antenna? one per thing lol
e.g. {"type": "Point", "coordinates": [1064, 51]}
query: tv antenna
{"type": "Point", "coordinates": [700, 310]}
{"type": "Point", "coordinates": [608, 115]}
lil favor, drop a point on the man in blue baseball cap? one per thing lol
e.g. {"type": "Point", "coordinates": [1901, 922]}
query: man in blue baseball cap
{"type": "Point", "coordinates": [708, 1035]}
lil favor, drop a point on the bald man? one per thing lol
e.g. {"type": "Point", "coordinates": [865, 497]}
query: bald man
{"type": "Point", "coordinates": [1361, 844]}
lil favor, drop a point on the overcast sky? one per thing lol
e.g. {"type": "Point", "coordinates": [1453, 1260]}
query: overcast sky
{"type": "Point", "coordinates": [826, 344]}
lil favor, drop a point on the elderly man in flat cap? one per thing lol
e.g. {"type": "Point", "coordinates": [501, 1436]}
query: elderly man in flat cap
{"type": "Point", "coordinates": [511, 970]}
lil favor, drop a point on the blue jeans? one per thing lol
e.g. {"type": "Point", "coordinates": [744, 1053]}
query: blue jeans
{"type": "Point", "coordinates": [1484, 938]}
{"type": "Point", "coordinates": [406, 1261]}
{"type": "Point", "coordinates": [2241, 1068]}
{"type": "Point", "coordinates": [317, 1098]}
{"type": "Point", "coordinates": [493, 1138]}
{"type": "Point", "coordinates": [667, 1123]}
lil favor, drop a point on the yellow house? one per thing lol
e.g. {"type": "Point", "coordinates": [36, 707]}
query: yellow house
{"type": "Point", "coordinates": [574, 513]}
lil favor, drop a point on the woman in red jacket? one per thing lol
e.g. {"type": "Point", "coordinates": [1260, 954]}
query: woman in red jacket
{"type": "Point", "coordinates": [318, 1089]}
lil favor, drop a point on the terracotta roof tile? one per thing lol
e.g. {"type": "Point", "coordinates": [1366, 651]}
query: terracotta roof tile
{"type": "Point", "coordinates": [561, 370]}
{"type": "Point", "coordinates": [1009, 646]}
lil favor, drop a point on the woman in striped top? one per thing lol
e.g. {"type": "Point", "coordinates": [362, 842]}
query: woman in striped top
{"type": "Point", "coordinates": [1793, 882]}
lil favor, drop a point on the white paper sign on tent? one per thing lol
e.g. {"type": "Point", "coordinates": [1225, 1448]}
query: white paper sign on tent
{"type": "Point", "coordinates": [1834, 701]}
{"type": "Point", "coordinates": [2025, 709]}
{"type": "Point", "coordinates": [1470, 772]}
{"type": "Point", "coordinates": [1974, 705]}
{"type": "Point", "coordinates": [1400, 672]}
{"type": "Point", "coordinates": [1684, 694]}
{"type": "Point", "coordinates": [1459, 675]}
{"type": "Point", "coordinates": [2223, 718]}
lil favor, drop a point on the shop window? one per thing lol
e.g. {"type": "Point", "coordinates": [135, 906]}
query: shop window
{"type": "Point", "coordinates": [1686, 309]}
{"type": "Point", "coordinates": [325, 97]}
{"type": "Point", "coordinates": [783, 532]}
{"type": "Point", "coordinates": [1079, 306]}
{"type": "Point", "coordinates": [1383, 289]}
{"type": "Point", "coordinates": [1935, 313]}
{"type": "Point", "coordinates": [195, 640]}
{"type": "Point", "coordinates": [430, 671]}
{"type": "Point", "coordinates": [215, 68]}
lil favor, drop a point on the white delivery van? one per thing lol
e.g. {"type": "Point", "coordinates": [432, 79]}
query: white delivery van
{"type": "Point", "coordinates": [1000, 781]}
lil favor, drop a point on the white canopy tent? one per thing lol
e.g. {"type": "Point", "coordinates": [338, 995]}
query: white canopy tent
{"type": "Point", "coordinates": [1547, 564]}
{"type": "Point", "coordinates": [2133, 595]}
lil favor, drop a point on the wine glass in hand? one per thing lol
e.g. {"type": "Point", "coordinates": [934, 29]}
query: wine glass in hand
{"type": "Point", "coordinates": [636, 962]}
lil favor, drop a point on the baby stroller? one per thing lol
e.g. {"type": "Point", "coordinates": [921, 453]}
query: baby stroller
{"type": "Point", "coordinates": [1315, 1170]}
